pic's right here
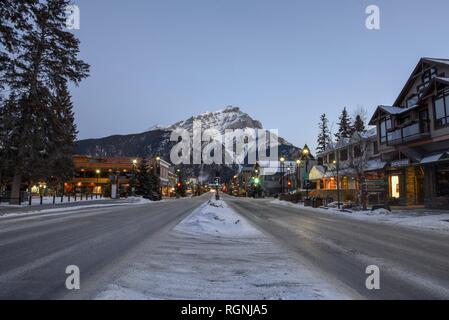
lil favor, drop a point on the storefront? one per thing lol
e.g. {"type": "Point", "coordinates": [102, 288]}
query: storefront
{"type": "Point", "coordinates": [405, 184]}
{"type": "Point", "coordinates": [436, 184]}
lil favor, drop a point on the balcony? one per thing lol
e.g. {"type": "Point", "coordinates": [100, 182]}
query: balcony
{"type": "Point", "coordinates": [408, 133]}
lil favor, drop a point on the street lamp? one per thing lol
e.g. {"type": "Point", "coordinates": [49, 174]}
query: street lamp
{"type": "Point", "coordinates": [133, 181]}
{"type": "Point", "coordinates": [298, 173]}
{"type": "Point", "coordinates": [306, 154]}
{"type": "Point", "coordinates": [98, 172]}
{"type": "Point", "coordinates": [337, 166]}
{"type": "Point", "coordinates": [282, 160]}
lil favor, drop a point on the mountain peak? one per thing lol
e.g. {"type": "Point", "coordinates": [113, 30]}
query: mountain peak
{"type": "Point", "coordinates": [228, 118]}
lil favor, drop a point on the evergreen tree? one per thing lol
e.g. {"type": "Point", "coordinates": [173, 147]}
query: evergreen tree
{"type": "Point", "coordinates": [45, 62]}
{"type": "Point", "coordinates": [324, 137]}
{"type": "Point", "coordinates": [155, 186]}
{"type": "Point", "coordinates": [344, 126]}
{"type": "Point", "coordinates": [143, 180]}
{"type": "Point", "coordinates": [359, 124]}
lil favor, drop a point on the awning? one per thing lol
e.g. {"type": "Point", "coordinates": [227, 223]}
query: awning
{"type": "Point", "coordinates": [375, 165]}
{"type": "Point", "coordinates": [435, 158]}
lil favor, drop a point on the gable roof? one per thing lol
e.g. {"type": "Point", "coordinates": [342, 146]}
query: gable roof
{"type": "Point", "coordinates": [394, 110]}
{"type": "Point", "coordinates": [419, 67]}
{"type": "Point", "coordinates": [391, 110]}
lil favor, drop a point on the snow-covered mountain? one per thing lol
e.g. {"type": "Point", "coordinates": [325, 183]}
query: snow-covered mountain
{"type": "Point", "coordinates": [227, 118]}
{"type": "Point", "coordinates": [157, 139]}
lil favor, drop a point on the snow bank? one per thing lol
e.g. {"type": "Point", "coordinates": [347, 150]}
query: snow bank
{"type": "Point", "coordinates": [216, 218]}
{"type": "Point", "coordinates": [425, 219]}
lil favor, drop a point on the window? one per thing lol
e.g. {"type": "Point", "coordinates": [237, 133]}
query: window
{"type": "Point", "coordinates": [412, 101]}
{"type": "Point", "coordinates": [344, 155]}
{"type": "Point", "coordinates": [429, 75]}
{"type": "Point", "coordinates": [441, 104]}
{"type": "Point", "coordinates": [375, 147]}
{"type": "Point", "coordinates": [331, 157]}
{"type": "Point", "coordinates": [395, 190]}
{"type": "Point", "coordinates": [357, 151]}
{"type": "Point", "coordinates": [385, 125]}
{"type": "Point", "coordinates": [442, 179]}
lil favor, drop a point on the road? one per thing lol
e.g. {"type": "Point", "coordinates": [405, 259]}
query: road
{"type": "Point", "coordinates": [413, 264]}
{"type": "Point", "coordinates": [35, 250]}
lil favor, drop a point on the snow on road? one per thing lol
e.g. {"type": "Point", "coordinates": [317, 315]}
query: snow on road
{"type": "Point", "coordinates": [433, 220]}
{"type": "Point", "coordinates": [216, 254]}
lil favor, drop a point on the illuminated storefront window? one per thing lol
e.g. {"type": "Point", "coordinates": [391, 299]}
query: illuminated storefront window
{"type": "Point", "coordinates": [395, 191]}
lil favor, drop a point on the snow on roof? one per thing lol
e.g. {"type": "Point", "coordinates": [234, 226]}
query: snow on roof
{"type": "Point", "coordinates": [393, 110]}
{"type": "Point", "coordinates": [443, 61]}
{"type": "Point", "coordinates": [375, 164]}
{"type": "Point", "coordinates": [432, 158]}
{"type": "Point", "coordinates": [369, 133]}
{"type": "Point", "coordinates": [317, 173]}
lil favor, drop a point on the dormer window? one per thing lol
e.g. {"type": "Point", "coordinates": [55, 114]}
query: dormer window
{"type": "Point", "coordinates": [412, 101]}
{"type": "Point", "coordinates": [429, 75]}
{"type": "Point", "coordinates": [426, 78]}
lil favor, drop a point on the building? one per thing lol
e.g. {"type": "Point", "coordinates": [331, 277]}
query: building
{"type": "Point", "coordinates": [98, 175]}
{"type": "Point", "coordinates": [353, 167]}
{"type": "Point", "coordinates": [162, 169]}
{"type": "Point", "coordinates": [271, 174]}
{"type": "Point", "coordinates": [413, 137]}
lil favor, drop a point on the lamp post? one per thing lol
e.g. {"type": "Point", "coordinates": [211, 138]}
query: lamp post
{"type": "Point", "coordinates": [98, 172]}
{"type": "Point", "coordinates": [282, 160]}
{"type": "Point", "coordinates": [298, 174]}
{"type": "Point", "coordinates": [158, 170]}
{"type": "Point", "coordinates": [337, 167]}
{"type": "Point", "coordinates": [133, 181]}
{"type": "Point", "coordinates": [306, 154]}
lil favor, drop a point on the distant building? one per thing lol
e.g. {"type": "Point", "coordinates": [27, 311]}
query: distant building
{"type": "Point", "coordinates": [95, 175]}
{"type": "Point", "coordinates": [360, 170]}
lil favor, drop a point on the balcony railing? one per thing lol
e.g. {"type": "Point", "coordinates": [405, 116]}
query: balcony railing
{"type": "Point", "coordinates": [412, 132]}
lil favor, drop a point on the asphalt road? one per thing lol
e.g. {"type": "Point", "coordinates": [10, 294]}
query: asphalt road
{"type": "Point", "coordinates": [35, 250]}
{"type": "Point", "coordinates": [414, 264]}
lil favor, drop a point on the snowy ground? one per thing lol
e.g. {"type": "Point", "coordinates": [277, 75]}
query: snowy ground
{"type": "Point", "coordinates": [80, 206]}
{"type": "Point", "coordinates": [419, 218]}
{"type": "Point", "coordinates": [216, 254]}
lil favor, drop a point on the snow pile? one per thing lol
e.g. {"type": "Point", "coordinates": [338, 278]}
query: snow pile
{"type": "Point", "coordinates": [216, 218]}
{"type": "Point", "coordinates": [421, 218]}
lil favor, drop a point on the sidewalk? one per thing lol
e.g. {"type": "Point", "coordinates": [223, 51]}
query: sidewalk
{"type": "Point", "coordinates": [420, 218]}
{"type": "Point", "coordinates": [36, 208]}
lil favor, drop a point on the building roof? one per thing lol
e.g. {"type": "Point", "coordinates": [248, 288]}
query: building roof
{"type": "Point", "coordinates": [418, 69]}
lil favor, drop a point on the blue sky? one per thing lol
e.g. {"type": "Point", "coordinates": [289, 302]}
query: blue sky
{"type": "Point", "coordinates": [283, 62]}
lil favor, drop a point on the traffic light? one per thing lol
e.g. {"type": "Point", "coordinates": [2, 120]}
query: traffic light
{"type": "Point", "coordinates": [256, 181]}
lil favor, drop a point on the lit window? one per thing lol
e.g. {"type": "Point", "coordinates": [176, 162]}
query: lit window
{"type": "Point", "coordinates": [395, 191]}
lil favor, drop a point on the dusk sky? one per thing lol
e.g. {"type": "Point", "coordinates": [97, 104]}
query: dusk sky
{"type": "Point", "coordinates": [283, 62]}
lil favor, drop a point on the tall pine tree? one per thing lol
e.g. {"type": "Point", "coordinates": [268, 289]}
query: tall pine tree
{"type": "Point", "coordinates": [45, 62]}
{"type": "Point", "coordinates": [143, 180]}
{"type": "Point", "coordinates": [155, 186]}
{"type": "Point", "coordinates": [324, 137]}
{"type": "Point", "coordinates": [344, 126]}
{"type": "Point", "coordinates": [359, 124]}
